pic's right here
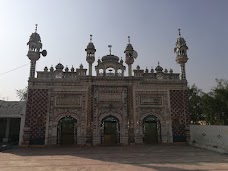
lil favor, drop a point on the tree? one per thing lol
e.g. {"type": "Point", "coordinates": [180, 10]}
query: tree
{"type": "Point", "coordinates": [22, 93]}
{"type": "Point", "coordinates": [195, 104]}
{"type": "Point", "coordinates": [215, 104]}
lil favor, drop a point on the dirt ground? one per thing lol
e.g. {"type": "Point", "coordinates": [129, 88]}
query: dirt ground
{"type": "Point", "coordinates": [104, 158]}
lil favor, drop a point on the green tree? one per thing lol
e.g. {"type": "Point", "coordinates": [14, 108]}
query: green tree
{"type": "Point", "coordinates": [195, 103]}
{"type": "Point", "coordinates": [215, 104]}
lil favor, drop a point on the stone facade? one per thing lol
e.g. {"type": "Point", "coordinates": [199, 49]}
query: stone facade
{"type": "Point", "coordinates": [90, 99]}
{"type": "Point", "coordinates": [72, 106]}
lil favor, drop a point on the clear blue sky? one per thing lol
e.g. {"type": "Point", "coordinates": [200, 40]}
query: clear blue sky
{"type": "Point", "coordinates": [65, 26]}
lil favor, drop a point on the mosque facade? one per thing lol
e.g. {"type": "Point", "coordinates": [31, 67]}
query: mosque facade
{"type": "Point", "coordinates": [74, 106]}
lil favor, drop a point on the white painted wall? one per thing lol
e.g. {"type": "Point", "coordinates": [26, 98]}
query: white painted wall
{"type": "Point", "coordinates": [210, 137]}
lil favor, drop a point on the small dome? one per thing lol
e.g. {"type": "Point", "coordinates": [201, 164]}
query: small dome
{"type": "Point", "coordinates": [158, 68]}
{"type": "Point", "coordinates": [81, 66]}
{"type": "Point", "coordinates": [152, 70]}
{"type": "Point", "coordinates": [165, 71]}
{"type": "Point", "coordinates": [72, 69]}
{"type": "Point", "coordinates": [51, 69]}
{"type": "Point", "coordinates": [170, 71]}
{"type": "Point", "coordinates": [138, 67]}
{"type": "Point", "coordinates": [59, 66]}
{"type": "Point", "coordinates": [90, 46]}
{"type": "Point", "coordinates": [66, 69]}
{"type": "Point", "coordinates": [35, 37]}
{"type": "Point", "coordinates": [146, 70]}
{"type": "Point", "coordinates": [129, 47]}
{"type": "Point", "coordinates": [110, 58]}
{"type": "Point", "coordinates": [45, 69]}
{"type": "Point", "coordinates": [121, 60]}
{"type": "Point", "coordinates": [181, 41]}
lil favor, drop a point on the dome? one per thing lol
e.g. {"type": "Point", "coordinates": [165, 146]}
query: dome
{"type": "Point", "coordinates": [45, 69]}
{"type": "Point", "coordinates": [158, 68]}
{"type": "Point", "coordinates": [66, 69]}
{"type": "Point", "coordinates": [35, 37]}
{"type": "Point", "coordinates": [170, 71]}
{"type": "Point", "coordinates": [59, 66]}
{"type": "Point", "coordinates": [110, 58]}
{"type": "Point", "coordinates": [180, 41]}
{"type": "Point", "coordinates": [129, 47]}
{"type": "Point", "coordinates": [138, 67]}
{"type": "Point", "coordinates": [90, 46]}
{"type": "Point", "coordinates": [51, 69]}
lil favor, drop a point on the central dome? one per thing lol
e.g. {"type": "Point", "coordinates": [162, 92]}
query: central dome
{"type": "Point", "coordinates": [110, 58]}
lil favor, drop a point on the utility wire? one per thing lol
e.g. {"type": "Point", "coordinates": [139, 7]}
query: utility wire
{"type": "Point", "coordinates": [13, 69]}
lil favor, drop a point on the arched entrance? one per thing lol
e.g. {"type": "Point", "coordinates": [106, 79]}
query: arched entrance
{"type": "Point", "coordinates": [151, 130]}
{"type": "Point", "coordinates": [110, 130]}
{"type": "Point", "coordinates": [67, 130]}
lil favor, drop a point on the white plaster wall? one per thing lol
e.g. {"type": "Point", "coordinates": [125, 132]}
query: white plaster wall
{"type": "Point", "coordinates": [210, 137]}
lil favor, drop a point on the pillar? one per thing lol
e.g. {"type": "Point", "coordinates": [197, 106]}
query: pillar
{"type": "Point", "coordinates": [6, 139]}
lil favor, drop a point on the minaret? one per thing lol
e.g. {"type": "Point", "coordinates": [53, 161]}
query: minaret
{"type": "Point", "coordinates": [181, 52]}
{"type": "Point", "coordinates": [130, 54]}
{"type": "Point", "coordinates": [35, 46]}
{"type": "Point", "coordinates": [90, 55]}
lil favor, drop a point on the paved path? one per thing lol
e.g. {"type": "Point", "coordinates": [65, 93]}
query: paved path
{"type": "Point", "coordinates": [126, 158]}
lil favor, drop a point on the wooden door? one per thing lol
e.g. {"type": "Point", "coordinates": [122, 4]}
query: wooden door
{"type": "Point", "coordinates": [110, 132]}
{"type": "Point", "coordinates": [150, 133]}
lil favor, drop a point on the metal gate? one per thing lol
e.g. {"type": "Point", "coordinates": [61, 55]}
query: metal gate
{"type": "Point", "coordinates": [67, 130]}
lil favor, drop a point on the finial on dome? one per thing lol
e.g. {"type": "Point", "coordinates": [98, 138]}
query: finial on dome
{"type": "Point", "coordinates": [36, 28]}
{"type": "Point", "coordinates": [129, 40]}
{"type": "Point", "coordinates": [179, 31]}
{"type": "Point", "coordinates": [110, 48]}
{"type": "Point", "coordinates": [158, 63]}
{"type": "Point", "coordinates": [91, 36]}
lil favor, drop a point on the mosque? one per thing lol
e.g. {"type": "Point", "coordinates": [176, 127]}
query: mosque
{"type": "Point", "coordinates": [74, 106]}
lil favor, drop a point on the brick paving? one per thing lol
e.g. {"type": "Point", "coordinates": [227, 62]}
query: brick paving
{"type": "Point", "coordinates": [104, 158]}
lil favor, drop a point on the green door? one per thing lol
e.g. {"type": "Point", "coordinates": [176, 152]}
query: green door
{"type": "Point", "coordinates": [150, 132]}
{"type": "Point", "coordinates": [110, 132]}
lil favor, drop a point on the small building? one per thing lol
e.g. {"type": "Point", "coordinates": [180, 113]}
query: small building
{"type": "Point", "coordinates": [12, 114]}
{"type": "Point", "coordinates": [73, 106]}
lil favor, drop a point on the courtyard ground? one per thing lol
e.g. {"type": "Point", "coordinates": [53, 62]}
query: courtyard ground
{"type": "Point", "coordinates": [165, 157]}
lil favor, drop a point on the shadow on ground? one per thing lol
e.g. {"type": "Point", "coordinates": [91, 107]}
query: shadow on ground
{"type": "Point", "coordinates": [156, 157]}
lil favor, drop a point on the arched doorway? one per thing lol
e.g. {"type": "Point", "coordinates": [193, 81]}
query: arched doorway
{"type": "Point", "coordinates": [151, 130]}
{"type": "Point", "coordinates": [110, 130]}
{"type": "Point", "coordinates": [67, 130]}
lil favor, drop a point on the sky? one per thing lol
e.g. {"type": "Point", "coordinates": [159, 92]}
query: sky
{"type": "Point", "coordinates": [65, 26]}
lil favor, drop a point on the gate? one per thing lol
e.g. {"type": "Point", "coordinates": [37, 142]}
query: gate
{"type": "Point", "coordinates": [151, 130]}
{"type": "Point", "coordinates": [67, 130]}
{"type": "Point", "coordinates": [110, 130]}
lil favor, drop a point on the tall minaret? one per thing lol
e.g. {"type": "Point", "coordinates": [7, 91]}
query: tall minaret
{"type": "Point", "coordinates": [129, 56]}
{"type": "Point", "coordinates": [181, 52]}
{"type": "Point", "coordinates": [90, 55]}
{"type": "Point", "coordinates": [35, 46]}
